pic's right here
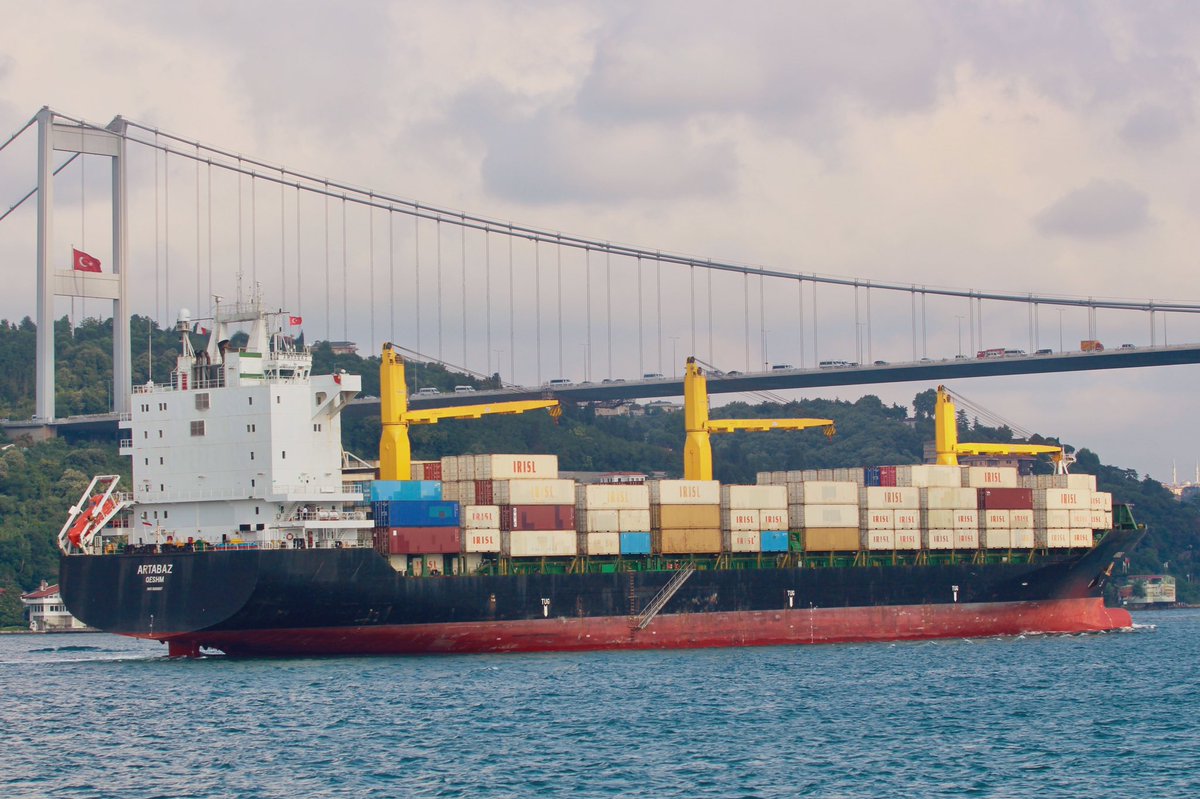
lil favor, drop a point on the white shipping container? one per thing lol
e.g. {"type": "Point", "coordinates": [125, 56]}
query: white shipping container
{"type": "Point", "coordinates": [822, 492]}
{"type": "Point", "coordinates": [740, 520]}
{"type": "Point", "coordinates": [824, 515]}
{"type": "Point", "coordinates": [996, 538]}
{"type": "Point", "coordinates": [773, 519]}
{"type": "Point", "coordinates": [534, 491]}
{"type": "Point", "coordinates": [634, 521]}
{"type": "Point", "coordinates": [966, 520]}
{"type": "Point", "coordinates": [600, 543]}
{"type": "Point", "coordinates": [990, 476]}
{"type": "Point", "coordinates": [908, 539]}
{"type": "Point", "coordinates": [793, 476]}
{"type": "Point", "coordinates": [684, 492]}
{"type": "Point", "coordinates": [943, 498]}
{"type": "Point", "coordinates": [540, 543]}
{"type": "Point", "coordinates": [1101, 520]}
{"type": "Point", "coordinates": [613, 497]}
{"type": "Point", "coordinates": [1052, 518]}
{"type": "Point", "coordinates": [1082, 537]}
{"type": "Point", "coordinates": [878, 520]}
{"type": "Point", "coordinates": [481, 540]}
{"type": "Point", "coordinates": [1101, 500]}
{"type": "Point", "coordinates": [1020, 519]}
{"type": "Point", "coordinates": [1080, 518]}
{"type": "Point", "coordinates": [907, 520]}
{"type": "Point", "coordinates": [928, 475]}
{"type": "Point", "coordinates": [938, 538]}
{"type": "Point", "coordinates": [745, 541]}
{"type": "Point", "coordinates": [450, 468]}
{"type": "Point", "coordinates": [763, 479]}
{"type": "Point", "coordinates": [1053, 537]}
{"type": "Point", "coordinates": [754, 497]}
{"type": "Point", "coordinates": [1081, 482]}
{"type": "Point", "coordinates": [1062, 499]}
{"type": "Point", "coordinates": [879, 539]}
{"type": "Point", "coordinates": [516, 467]}
{"type": "Point", "coordinates": [873, 497]}
{"type": "Point", "coordinates": [966, 539]}
{"type": "Point", "coordinates": [450, 493]}
{"type": "Point", "coordinates": [996, 519]}
{"type": "Point", "coordinates": [1023, 538]}
{"type": "Point", "coordinates": [476, 517]}
{"type": "Point", "coordinates": [603, 521]}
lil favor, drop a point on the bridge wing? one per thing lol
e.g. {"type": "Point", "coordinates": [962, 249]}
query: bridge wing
{"type": "Point", "coordinates": [763, 425]}
{"type": "Point", "coordinates": [435, 415]}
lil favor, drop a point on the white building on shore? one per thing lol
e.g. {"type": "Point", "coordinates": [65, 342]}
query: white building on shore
{"type": "Point", "coordinates": [45, 611]}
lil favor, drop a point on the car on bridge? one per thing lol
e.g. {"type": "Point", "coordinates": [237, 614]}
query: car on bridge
{"type": "Point", "coordinates": [653, 376]}
{"type": "Point", "coordinates": [1128, 347]}
{"type": "Point", "coordinates": [1044, 351]}
{"type": "Point", "coordinates": [781, 366]}
{"type": "Point", "coordinates": [835, 365]}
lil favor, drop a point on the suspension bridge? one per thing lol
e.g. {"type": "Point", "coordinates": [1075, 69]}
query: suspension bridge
{"type": "Point", "coordinates": [545, 311]}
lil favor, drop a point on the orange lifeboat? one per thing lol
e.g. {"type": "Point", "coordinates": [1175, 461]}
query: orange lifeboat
{"type": "Point", "coordinates": [96, 510]}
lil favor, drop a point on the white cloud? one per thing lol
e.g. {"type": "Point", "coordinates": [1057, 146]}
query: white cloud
{"type": "Point", "coordinates": [1100, 210]}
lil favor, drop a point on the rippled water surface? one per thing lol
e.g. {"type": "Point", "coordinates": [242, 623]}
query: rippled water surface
{"type": "Point", "coordinates": [1072, 716]}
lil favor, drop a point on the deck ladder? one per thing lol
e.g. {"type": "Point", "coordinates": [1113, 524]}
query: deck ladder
{"type": "Point", "coordinates": [663, 597]}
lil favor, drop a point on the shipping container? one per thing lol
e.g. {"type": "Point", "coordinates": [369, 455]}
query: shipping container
{"type": "Point", "coordinates": [539, 543]}
{"type": "Point", "coordinates": [613, 497]}
{"type": "Point", "coordinates": [966, 539]}
{"type": "Point", "coordinates": [1052, 518]}
{"type": "Point", "coordinates": [423, 540]}
{"type": "Point", "coordinates": [535, 491]}
{"type": "Point", "coordinates": [908, 539]}
{"type": "Point", "coordinates": [515, 467]}
{"type": "Point", "coordinates": [420, 513]}
{"type": "Point", "coordinates": [1080, 518]}
{"type": "Point", "coordinates": [939, 519]}
{"type": "Point", "coordinates": [681, 517]}
{"type": "Point", "coordinates": [871, 476]}
{"type": "Point", "coordinates": [481, 540]}
{"type": "Point", "coordinates": [928, 476]}
{"type": "Point", "coordinates": [737, 497]}
{"type": "Point", "coordinates": [476, 517]}
{"type": "Point", "coordinates": [1062, 499]}
{"type": "Point", "coordinates": [635, 543]}
{"type": "Point", "coordinates": [887, 476]}
{"type": "Point", "coordinates": [997, 538]}
{"type": "Point", "coordinates": [745, 541]}
{"type": "Point", "coordinates": [1006, 498]}
{"type": "Point", "coordinates": [996, 519]}
{"type": "Point", "coordinates": [1081, 482]}
{"type": "Point", "coordinates": [537, 517]}
{"type": "Point", "coordinates": [1082, 537]}
{"type": "Point", "coordinates": [740, 520]}
{"type": "Point", "coordinates": [774, 520]}
{"type": "Point", "coordinates": [634, 520]}
{"type": "Point", "coordinates": [405, 490]}
{"type": "Point", "coordinates": [483, 492]}
{"type": "Point", "coordinates": [684, 492]}
{"type": "Point", "coordinates": [1020, 519]}
{"type": "Point", "coordinates": [600, 521]}
{"type": "Point", "coordinates": [823, 516]}
{"type": "Point", "coordinates": [687, 542]}
{"type": "Point", "coordinates": [822, 492]}
{"type": "Point", "coordinates": [830, 539]}
{"type": "Point", "coordinates": [599, 543]}
{"type": "Point", "coordinates": [425, 470]}
{"type": "Point", "coordinates": [905, 498]}
{"type": "Point", "coordinates": [990, 477]}
{"type": "Point", "coordinates": [1023, 538]}
{"type": "Point", "coordinates": [1101, 500]}
{"type": "Point", "coordinates": [1052, 538]}
{"type": "Point", "coordinates": [878, 520]}
{"type": "Point", "coordinates": [774, 541]}
{"type": "Point", "coordinates": [946, 498]}
{"type": "Point", "coordinates": [938, 538]}
{"type": "Point", "coordinates": [966, 520]}
{"type": "Point", "coordinates": [907, 520]}
{"type": "Point", "coordinates": [879, 539]}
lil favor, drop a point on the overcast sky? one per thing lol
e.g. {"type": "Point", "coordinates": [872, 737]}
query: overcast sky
{"type": "Point", "coordinates": [1023, 147]}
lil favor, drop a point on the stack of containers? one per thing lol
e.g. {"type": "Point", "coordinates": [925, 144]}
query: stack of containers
{"type": "Point", "coordinates": [1006, 518]}
{"type": "Point", "coordinates": [754, 518]}
{"type": "Point", "coordinates": [825, 513]}
{"type": "Point", "coordinates": [613, 519]}
{"type": "Point", "coordinates": [425, 470]}
{"type": "Point", "coordinates": [481, 529]}
{"type": "Point", "coordinates": [950, 514]}
{"type": "Point", "coordinates": [1062, 517]}
{"type": "Point", "coordinates": [1102, 516]}
{"type": "Point", "coordinates": [881, 506]}
{"type": "Point", "coordinates": [685, 516]}
{"type": "Point", "coordinates": [412, 518]}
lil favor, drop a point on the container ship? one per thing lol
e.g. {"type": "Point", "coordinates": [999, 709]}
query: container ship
{"type": "Point", "coordinates": [247, 530]}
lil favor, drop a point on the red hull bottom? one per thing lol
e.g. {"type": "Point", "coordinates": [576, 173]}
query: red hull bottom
{"type": "Point", "coordinates": [677, 631]}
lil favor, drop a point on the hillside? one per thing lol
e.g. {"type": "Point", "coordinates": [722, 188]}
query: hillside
{"type": "Point", "coordinates": [38, 482]}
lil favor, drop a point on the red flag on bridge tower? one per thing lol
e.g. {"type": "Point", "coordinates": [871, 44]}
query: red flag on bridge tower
{"type": "Point", "coordinates": [295, 320]}
{"type": "Point", "coordinates": [84, 262]}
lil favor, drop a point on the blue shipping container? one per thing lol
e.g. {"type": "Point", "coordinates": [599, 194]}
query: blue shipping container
{"type": "Point", "coordinates": [774, 541]}
{"type": "Point", "coordinates": [405, 490]}
{"type": "Point", "coordinates": [420, 513]}
{"type": "Point", "coordinates": [636, 543]}
{"type": "Point", "coordinates": [871, 476]}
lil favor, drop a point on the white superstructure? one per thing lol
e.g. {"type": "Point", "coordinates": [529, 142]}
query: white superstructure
{"type": "Point", "coordinates": [242, 445]}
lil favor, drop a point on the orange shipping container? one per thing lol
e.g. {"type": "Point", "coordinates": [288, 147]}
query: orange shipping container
{"type": "Point", "coordinates": [679, 517]}
{"type": "Point", "coordinates": [831, 539]}
{"type": "Point", "coordinates": [687, 542]}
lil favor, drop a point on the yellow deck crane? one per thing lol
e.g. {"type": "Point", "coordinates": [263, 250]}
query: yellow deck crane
{"type": "Point", "coordinates": [949, 447]}
{"type": "Point", "coordinates": [395, 451]}
{"type": "Point", "coordinates": [697, 450]}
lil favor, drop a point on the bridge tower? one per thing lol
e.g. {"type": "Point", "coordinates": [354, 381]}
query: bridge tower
{"type": "Point", "coordinates": [56, 282]}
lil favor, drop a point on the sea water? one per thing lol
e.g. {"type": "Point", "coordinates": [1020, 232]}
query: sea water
{"type": "Point", "coordinates": [1117, 714]}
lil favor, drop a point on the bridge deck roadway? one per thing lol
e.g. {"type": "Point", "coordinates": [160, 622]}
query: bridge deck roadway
{"type": "Point", "coordinates": [931, 372]}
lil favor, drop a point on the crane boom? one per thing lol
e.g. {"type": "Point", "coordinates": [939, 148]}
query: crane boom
{"type": "Point", "coordinates": [949, 448]}
{"type": "Point", "coordinates": [697, 449]}
{"type": "Point", "coordinates": [395, 448]}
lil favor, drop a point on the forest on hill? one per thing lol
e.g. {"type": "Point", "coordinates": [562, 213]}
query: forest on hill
{"type": "Point", "coordinates": [38, 482]}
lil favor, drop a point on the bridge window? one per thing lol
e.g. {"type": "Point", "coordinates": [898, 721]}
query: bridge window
{"type": "Point", "coordinates": [202, 402]}
{"type": "Point", "coordinates": [198, 427]}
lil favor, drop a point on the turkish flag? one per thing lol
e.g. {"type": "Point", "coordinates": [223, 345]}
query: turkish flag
{"type": "Point", "coordinates": [85, 262]}
{"type": "Point", "coordinates": [295, 320]}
